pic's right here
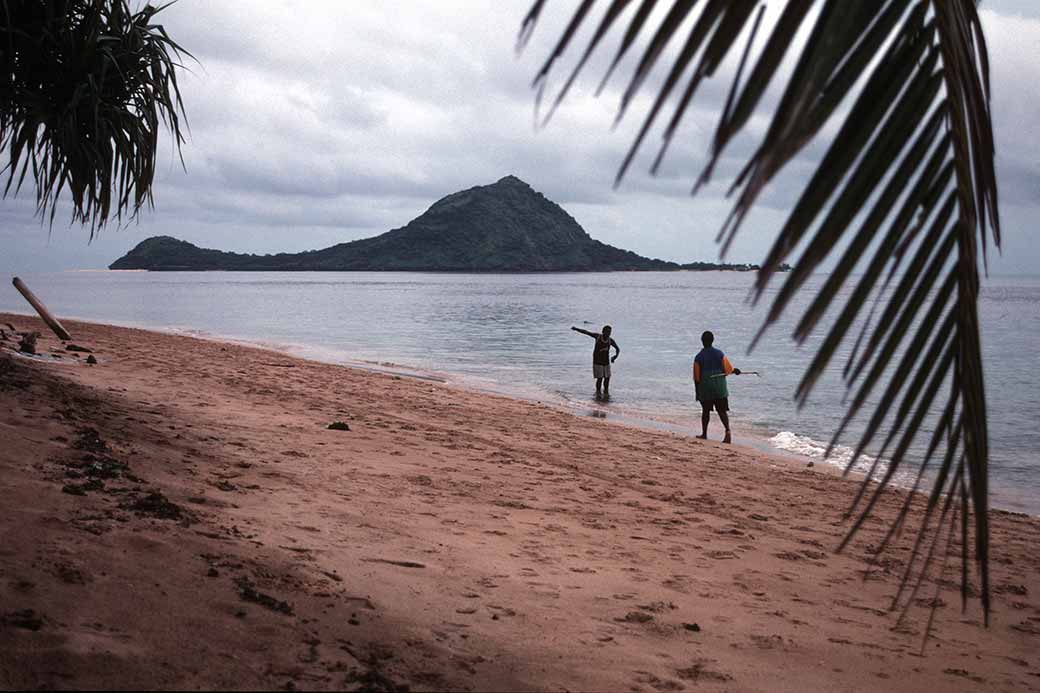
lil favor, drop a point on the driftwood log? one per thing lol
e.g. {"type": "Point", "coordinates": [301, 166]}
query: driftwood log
{"type": "Point", "coordinates": [51, 321]}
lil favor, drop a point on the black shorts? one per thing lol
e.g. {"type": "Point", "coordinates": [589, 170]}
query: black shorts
{"type": "Point", "coordinates": [719, 405]}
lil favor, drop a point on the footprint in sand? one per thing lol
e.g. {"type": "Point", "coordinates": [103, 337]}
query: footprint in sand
{"type": "Point", "coordinates": [790, 556]}
{"type": "Point", "coordinates": [498, 611]}
{"type": "Point", "coordinates": [769, 642]}
{"type": "Point", "coordinates": [400, 563]}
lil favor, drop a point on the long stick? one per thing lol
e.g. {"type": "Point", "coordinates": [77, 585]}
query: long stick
{"type": "Point", "coordinates": [723, 375]}
{"type": "Point", "coordinates": [36, 303]}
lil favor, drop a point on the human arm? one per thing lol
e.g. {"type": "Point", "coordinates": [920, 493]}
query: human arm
{"type": "Point", "coordinates": [618, 352]}
{"type": "Point", "coordinates": [697, 379]}
{"type": "Point", "coordinates": [728, 368]}
{"type": "Point", "coordinates": [578, 329]}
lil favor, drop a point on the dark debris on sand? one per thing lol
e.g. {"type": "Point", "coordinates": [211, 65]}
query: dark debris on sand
{"type": "Point", "coordinates": [82, 489]}
{"type": "Point", "coordinates": [373, 681]}
{"type": "Point", "coordinates": [89, 440]}
{"type": "Point", "coordinates": [12, 377]}
{"type": "Point", "coordinates": [369, 676]}
{"type": "Point", "coordinates": [97, 464]}
{"type": "Point", "coordinates": [156, 505]}
{"type": "Point", "coordinates": [96, 467]}
{"type": "Point", "coordinates": [27, 344]}
{"type": "Point", "coordinates": [248, 592]}
{"type": "Point", "coordinates": [24, 618]}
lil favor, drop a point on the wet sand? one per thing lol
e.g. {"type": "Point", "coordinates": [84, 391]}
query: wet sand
{"type": "Point", "coordinates": [178, 516]}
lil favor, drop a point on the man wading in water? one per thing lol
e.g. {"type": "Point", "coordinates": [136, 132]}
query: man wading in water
{"type": "Point", "coordinates": [601, 359]}
{"type": "Point", "coordinates": [710, 368]}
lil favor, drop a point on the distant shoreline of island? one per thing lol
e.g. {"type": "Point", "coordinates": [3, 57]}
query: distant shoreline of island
{"type": "Point", "coordinates": [719, 268]}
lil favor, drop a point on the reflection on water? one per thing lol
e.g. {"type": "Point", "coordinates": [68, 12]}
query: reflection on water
{"type": "Point", "coordinates": [511, 333]}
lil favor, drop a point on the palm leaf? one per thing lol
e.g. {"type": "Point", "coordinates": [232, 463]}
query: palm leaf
{"type": "Point", "coordinates": [85, 88]}
{"type": "Point", "coordinates": [906, 189]}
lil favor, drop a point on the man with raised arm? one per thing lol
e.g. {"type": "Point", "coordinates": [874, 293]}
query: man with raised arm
{"type": "Point", "coordinates": [710, 368]}
{"type": "Point", "coordinates": [601, 359]}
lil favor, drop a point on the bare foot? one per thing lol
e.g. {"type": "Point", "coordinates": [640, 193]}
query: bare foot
{"type": "Point", "coordinates": [727, 438]}
{"type": "Point", "coordinates": [703, 436]}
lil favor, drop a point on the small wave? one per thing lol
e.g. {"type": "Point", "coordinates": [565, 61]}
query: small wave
{"type": "Point", "coordinates": [839, 457]}
{"type": "Point", "coordinates": [814, 449]}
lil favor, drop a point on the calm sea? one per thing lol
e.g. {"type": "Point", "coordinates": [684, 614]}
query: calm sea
{"type": "Point", "coordinates": [511, 334]}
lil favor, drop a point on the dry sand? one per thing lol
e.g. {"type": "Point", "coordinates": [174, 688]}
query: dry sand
{"type": "Point", "coordinates": [179, 516]}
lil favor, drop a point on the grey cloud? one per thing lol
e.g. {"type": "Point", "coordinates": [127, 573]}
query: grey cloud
{"type": "Point", "coordinates": [1020, 183]}
{"type": "Point", "coordinates": [326, 121]}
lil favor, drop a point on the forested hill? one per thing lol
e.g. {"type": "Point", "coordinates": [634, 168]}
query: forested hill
{"type": "Point", "coordinates": [503, 227]}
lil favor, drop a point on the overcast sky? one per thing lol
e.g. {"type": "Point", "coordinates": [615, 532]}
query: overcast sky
{"type": "Point", "coordinates": [314, 123]}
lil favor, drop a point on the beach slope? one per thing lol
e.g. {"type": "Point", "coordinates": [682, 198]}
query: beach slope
{"type": "Point", "coordinates": [179, 515]}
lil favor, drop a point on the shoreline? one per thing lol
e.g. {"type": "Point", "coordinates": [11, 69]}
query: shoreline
{"type": "Point", "coordinates": [307, 352]}
{"type": "Point", "coordinates": [449, 539]}
{"type": "Point", "coordinates": [757, 441]}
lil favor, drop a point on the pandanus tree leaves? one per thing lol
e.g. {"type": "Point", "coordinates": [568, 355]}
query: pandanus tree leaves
{"type": "Point", "coordinates": [905, 193]}
{"type": "Point", "coordinates": [85, 87]}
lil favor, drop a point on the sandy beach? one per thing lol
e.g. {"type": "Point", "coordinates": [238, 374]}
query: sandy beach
{"type": "Point", "coordinates": [179, 516]}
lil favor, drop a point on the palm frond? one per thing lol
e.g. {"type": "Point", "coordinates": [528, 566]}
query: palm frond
{"type": "Point", "coordinates": [906, 190]}
{"type": "Point", "coordinates": [85, 89]}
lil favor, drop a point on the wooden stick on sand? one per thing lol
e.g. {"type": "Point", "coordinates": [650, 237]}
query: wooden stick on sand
{"type": "Point", "coordinates": [51, 321]}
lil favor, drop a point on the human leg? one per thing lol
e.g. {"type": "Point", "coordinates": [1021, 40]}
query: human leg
{"type": "Point", "coordinates": [705, 419]}
{"type": "Point", "coordinates": [722, 407]}
{"type": "Point", "coordinates": [606, 386]}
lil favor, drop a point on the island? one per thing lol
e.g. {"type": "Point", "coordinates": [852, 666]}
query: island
{"type": "Point", "coordinates": [503, 227]}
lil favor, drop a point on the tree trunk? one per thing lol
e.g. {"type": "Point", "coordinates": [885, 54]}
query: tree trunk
{"type": "Point", "coordinates": [51, 321]}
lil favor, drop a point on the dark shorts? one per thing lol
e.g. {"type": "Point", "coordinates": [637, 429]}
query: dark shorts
{"type": "Point", "coordinates": [719, 405]}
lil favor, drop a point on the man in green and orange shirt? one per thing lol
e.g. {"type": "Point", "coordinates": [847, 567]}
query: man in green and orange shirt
{"type": "Point", "coordinates": [710, 368]}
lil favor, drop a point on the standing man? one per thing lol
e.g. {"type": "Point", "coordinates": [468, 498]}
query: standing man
{"type": "Point", "coordinates": [601, 359]}
{"type": "Point", "coordinates": [710, 368]}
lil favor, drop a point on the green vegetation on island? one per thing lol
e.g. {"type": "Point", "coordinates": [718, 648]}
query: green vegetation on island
{"type": "Point", "coordinates": [503, 227]}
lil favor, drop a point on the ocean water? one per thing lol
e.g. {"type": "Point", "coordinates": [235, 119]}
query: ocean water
{"type": "Point", "coordinates": [510, 333]}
